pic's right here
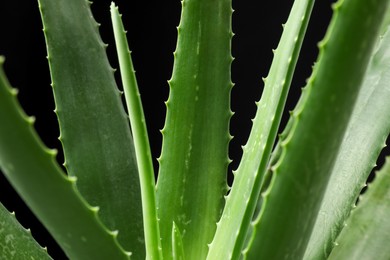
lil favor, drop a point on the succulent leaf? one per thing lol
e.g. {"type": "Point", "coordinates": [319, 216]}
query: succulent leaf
{"type": "Point", "coordinates": [363, 141]}
{"type": "Point", "coordinates": [194, 158]}
{"type": "Point", "coordinates": [241, 201]}
{"type": "Point", "coordinates": [32, 170]}
{"type": "Point", "coordinates": [95, 131]}
{"type": "Point", "coordinates": [319, 122]}
{"type": "Point", "coordinates": [141, 140]}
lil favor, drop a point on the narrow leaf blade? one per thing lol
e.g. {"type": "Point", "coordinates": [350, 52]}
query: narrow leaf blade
{"type": "Point", "coordinates": [240, 204]}
{"type": "Point", "coordinates": [177, 244]}
{"type": "Point", "coordinates": [141, 140]}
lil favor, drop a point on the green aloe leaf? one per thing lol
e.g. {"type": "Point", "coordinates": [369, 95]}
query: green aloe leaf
{"type": "Point", "coordinates": [308, 150]}
{"type": "Point", "coordinates": [364, 139]}
{"type": "Point", "coordinates": [94, 127]}
{"type": "Point", "coordinates": [177, 244]}
{"type": "Point", "coordinates": [241, 202]}
{"type": "Point", "coordinates": [52, 196]}
{"type": "Point", "coordinates": [16, 242]}
{"type": "Point", "coordinates": [141, 140]}
{"type": "Point", "coordinates": [194, 157]}
{"type": "Point", "coordinates": [366, 234]}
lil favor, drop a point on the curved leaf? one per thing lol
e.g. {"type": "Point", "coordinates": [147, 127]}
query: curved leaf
{"type": "Point", "coordinates": [52, 196]}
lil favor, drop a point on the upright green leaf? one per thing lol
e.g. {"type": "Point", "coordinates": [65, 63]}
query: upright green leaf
{"type": "Point", "coordinates": [16, 242]}
{"type": "Point", "coordinates": [94, 127]}
{"type": "Point", "coordinates": [177, 244]}
{"type": "Point", "coordinates": [364, 139]}
{"type": "Point", "coordinates": [309, 149]}
{"type": "Point", "coordinates": [141, 140]}
{"type": "Point", "coordinates": [52, 196]}
{"type": "Point", "coordinates": [194, 158]}
{"type": "Point", "coordinates": [366, 234]}
{"type": "Point", "coordinates": [241, 202]}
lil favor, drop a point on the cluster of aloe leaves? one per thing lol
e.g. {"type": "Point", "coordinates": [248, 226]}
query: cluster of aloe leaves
{"type": "Point", "coordinates": [292, 197]}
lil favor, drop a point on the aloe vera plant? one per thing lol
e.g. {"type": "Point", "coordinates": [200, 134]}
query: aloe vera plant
{"type": "Point", "coordinates": [293, 196]}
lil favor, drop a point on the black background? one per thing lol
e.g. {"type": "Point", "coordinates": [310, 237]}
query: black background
{"type": "Point", "coordinates": [151, 27]}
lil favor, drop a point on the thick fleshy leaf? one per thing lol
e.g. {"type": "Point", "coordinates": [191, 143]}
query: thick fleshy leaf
{"type": "Point", "coordinates": [95, 131]}
{"type": "Point", "coordinates": [52, 196]}
{"type": "Point", "coordinates": [308, 151]}
{"type": "Point", "coordinates": [194, 158]}
{"type": "Point", "coordinates": [364, 139]}
{"type": "Point", "coordinates": [241, 202]}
